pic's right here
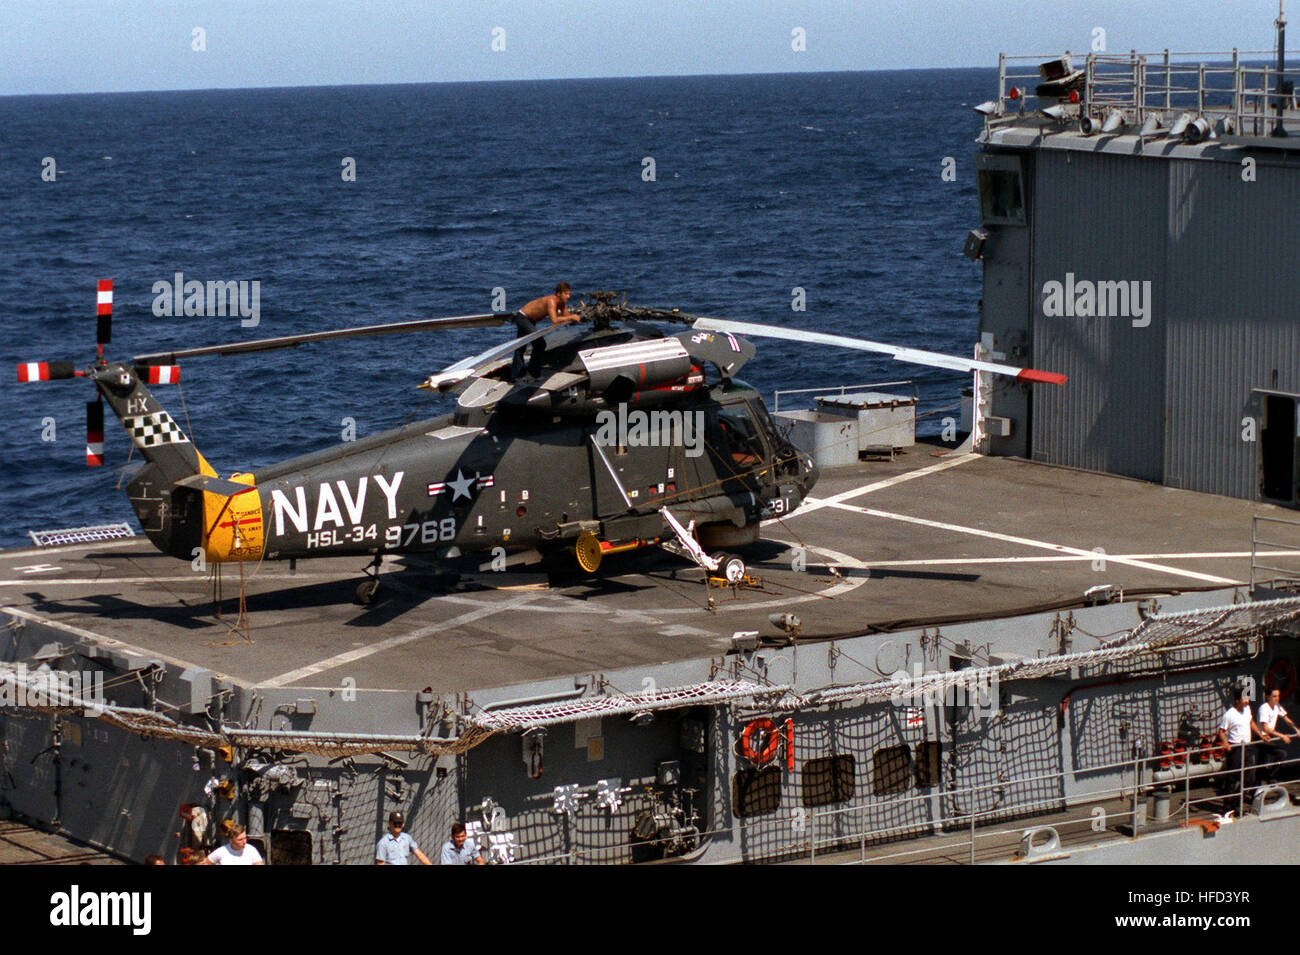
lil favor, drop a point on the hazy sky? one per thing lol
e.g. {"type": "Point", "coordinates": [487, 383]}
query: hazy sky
{"type": "Point", "coordinates": [61, 46]}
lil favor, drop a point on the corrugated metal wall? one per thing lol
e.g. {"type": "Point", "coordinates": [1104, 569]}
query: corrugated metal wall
{"type": "Point", "coordinates": [1165, 402]}
{"type": "Point", "coordinates": [1099, 217]}
{"type": "Point", "coordinates": [1234, 275]}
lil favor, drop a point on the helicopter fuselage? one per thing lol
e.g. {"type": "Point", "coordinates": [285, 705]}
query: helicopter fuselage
{"type": "Point", "coordinates": [534, 479]}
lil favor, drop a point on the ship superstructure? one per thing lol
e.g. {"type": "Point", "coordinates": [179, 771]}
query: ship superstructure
{"type": "Point", "coordinates": [1138, 234]}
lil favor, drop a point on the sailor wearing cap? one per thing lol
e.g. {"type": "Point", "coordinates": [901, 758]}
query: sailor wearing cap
{"type": "Point", "coordinates": [396, 846]}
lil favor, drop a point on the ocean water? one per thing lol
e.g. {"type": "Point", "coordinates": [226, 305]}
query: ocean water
{"type": "Point", "coordinates": [827, 182]}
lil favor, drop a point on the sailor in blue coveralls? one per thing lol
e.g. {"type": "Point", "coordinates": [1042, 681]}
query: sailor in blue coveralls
{"type": "Point", "coordinates": [396, 847]}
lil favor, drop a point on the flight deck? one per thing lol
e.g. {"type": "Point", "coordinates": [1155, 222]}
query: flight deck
{"type": "Point", "coordinates": [934, 536]}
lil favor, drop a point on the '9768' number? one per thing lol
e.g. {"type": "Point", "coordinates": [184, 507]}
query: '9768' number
{"type": "Point", "coordinates": [429, 532]}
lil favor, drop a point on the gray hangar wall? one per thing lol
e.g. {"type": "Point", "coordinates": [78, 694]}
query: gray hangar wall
{"type": "Point", "coordinates": [1164, 402]}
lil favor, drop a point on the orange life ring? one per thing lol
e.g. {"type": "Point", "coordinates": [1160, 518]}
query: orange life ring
{"type": "Point", "coordinates": [772, 741]}
{"type": "Point", "coordinates": [1281, 671]}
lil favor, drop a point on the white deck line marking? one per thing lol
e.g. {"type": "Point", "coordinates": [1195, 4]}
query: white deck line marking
{"type": "Point", "coordinates": [811, 504]}
{"type": "Point", "coordinates": [359, 653]}
{"type": "Point", "coordinates": [1068, 558]}
{"type": "Point", "coordinates": [1029, 542]}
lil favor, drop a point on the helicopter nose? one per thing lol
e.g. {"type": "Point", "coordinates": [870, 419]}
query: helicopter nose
{"type": "Point", "coordinates": [810, 474]}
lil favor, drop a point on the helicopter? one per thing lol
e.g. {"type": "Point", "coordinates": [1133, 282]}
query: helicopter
{"type": "Point", "coordinates": [623, 437]}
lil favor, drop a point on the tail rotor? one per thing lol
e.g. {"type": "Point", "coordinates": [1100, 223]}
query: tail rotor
{"type": "Point", "coordinates": [32, 371]}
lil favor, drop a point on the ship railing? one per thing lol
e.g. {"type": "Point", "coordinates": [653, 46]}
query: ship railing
{"type": "Point", "coordinates": [842, 390]}
{"type": "Point", "coordinates": [1283, 578]}
{"type": "Point", "coordinates": [1224, 86]}
{"type": "Point", "coordinates": [945, 408]}
{"type": "Point", "coordinates": [1143, 769]}
{"type": "Point", "coordinates": [918, 833]}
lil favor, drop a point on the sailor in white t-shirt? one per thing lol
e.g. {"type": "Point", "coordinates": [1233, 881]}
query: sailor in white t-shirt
{"type": "Point", "coordinates": [1274, 750]}
{"type": "Point", "coordinates": [1234, 730]}
{"type": "Point", "coordinates": [235, 852]}
{"type": "Point", "coordinates": [1270, 712]}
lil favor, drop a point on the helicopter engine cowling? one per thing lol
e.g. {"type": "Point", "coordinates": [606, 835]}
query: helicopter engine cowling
{"type": "Point", "coordinates": [635, 366]}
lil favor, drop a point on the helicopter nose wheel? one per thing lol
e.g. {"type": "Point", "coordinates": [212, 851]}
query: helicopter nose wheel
{"type": "Point", "coordinates": [730, 567]}
{"type": "Point", "coordinates": [368, 589]}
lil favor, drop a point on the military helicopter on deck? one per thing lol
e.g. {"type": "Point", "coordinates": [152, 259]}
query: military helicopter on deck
{"type": "Point", "coordinates": [625, 437]}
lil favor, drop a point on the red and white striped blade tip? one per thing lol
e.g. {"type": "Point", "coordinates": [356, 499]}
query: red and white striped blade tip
{"type": "Point", "coordinates": [1050, 377]}
{"type": "Point", "coordinates": [104, 297]}
{"type": "Point", "coordinates": [164, 374]}
{"type": "Point", "coordinates": [45, 370]}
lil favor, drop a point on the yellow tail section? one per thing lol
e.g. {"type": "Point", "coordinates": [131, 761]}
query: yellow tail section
{"type": "Point", "coordinates": [232, 517]}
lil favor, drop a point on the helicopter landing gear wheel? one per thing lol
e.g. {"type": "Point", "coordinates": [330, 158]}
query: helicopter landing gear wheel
{"type": "Point", "coordinates": [369, 588]}
{"type": "Point", "coordinates": [366, 591]}
{"type": "Point", "coordinates": [730, 567]}
{"type": "Point", "coordinates": [587, 551]}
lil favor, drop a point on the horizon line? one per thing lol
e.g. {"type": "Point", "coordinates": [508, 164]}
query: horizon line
{"type": "Point", "coordinates": [548, 79]}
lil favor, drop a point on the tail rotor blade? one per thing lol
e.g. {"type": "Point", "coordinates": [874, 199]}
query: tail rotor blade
{"type": "Point", "coordinates": [159, 374]}
{"type": "Point", "coordinates": [95, 433]}
{"type": "Point", "coordinates": [45, 370]}
{"type": "Point", "coordinates": [104, 312]}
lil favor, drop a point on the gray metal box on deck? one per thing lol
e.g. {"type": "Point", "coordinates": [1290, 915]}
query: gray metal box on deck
{"type": "Point", "coordinates": [831, 439]}
{"type": "Point", "coordinates": [883, 419]}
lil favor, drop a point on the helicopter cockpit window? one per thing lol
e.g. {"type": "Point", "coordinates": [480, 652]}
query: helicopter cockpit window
{"type": "Point", "coordinates": [741, 444]}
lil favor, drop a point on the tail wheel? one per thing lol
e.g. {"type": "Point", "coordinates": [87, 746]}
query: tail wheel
{"type": "Point", "coordinates": [730, 567]}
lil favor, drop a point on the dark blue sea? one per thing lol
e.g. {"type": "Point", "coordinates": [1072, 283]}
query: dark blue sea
{"type": "Point", "coordinates": [828, 182]}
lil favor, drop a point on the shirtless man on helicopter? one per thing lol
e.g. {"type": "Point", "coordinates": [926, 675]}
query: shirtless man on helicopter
{"type": "Point", "coordinates": [556, 308]}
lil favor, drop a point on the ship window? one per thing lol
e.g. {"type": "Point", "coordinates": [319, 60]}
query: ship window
{"type": "Point", "coordinates": [1002, 196]}
{"type": "Point", "coordinates": [290, 847]}
{"type": "Point", "coordinates": [828, 780]}
{"type": "Point", "coordinates": [756, 792]}
{"type": "Point", "coordinates": [891, 770]}
{"type": "Point", "coordinates": [927, 764]}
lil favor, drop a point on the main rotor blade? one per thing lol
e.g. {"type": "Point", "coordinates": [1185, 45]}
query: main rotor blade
{"type": "Point", "coordinates": [292, 341]}
{"type": "Point", "coordinates": [475, 365]}
{"type": "Point", "coordinates": [914, 355]}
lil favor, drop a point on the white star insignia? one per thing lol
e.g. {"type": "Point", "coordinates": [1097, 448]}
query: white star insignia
{"type": "Point", "coordinates": [462, 485]}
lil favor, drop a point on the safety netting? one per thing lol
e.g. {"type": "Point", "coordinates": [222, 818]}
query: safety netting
{"type": "Point", "coordinates": [1155, 635]}
{"type": "Point", "coordinates": [42, 690]}
{"type": "Point", "coordinates": [81, 535]}
{"type": "Point", "coordinates": [590, 707]}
